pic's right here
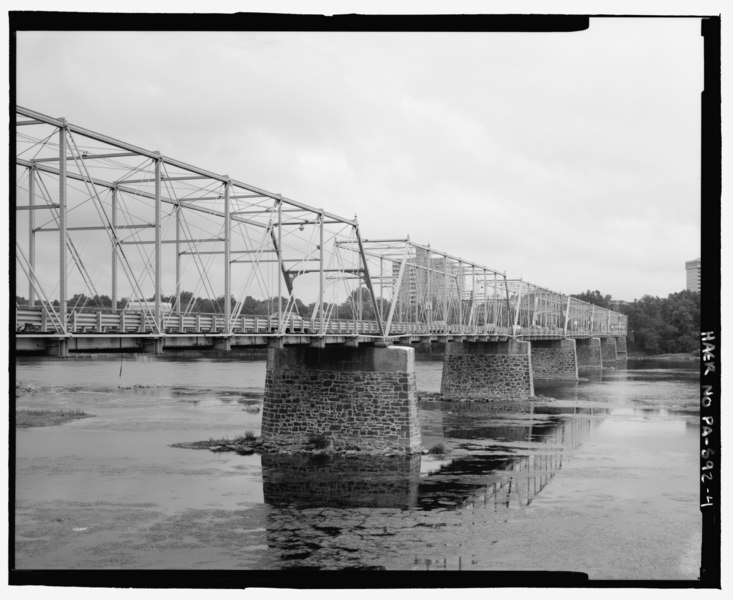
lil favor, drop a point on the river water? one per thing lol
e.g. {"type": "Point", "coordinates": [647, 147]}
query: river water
{"type": "Point", "coordinates": [598, 476]}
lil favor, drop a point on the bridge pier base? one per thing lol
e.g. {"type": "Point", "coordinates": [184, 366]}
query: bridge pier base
{"type": "Point", "coordinates": [589, 353]}
{"type": "Point", "coordinates": [554, 359]}
{"type": "Point", "coordinates": [361, 398]}
{"type": "Point", "coordinates": [484, 371]}
{"type": "Point", "coordinates": [621, 349]}
{"type": "Point", "coordinates": [223, 345]}
{"type": "Point", "coordinates": [59, 348]}
{"type": "Point", "coordinates": [608, 352]}
{"type": "Point", "coordinates": [154, 345]}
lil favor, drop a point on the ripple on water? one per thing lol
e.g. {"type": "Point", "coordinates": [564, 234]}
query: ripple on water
{"type": "Point", "coordinates": [562, 482]}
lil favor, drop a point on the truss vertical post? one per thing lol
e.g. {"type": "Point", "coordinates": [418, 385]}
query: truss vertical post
{"type": "Point", "coordinates": [177, 306]}
{"type": "Point", "coordinates": [592, 317]}
{"type": "Point", "coordinates": [396, 292]}
{"type": "Point", "coordinates": [31, 233]}
{"type": "Point", "coordinates": [360, 312]}
{"type": "Point", "coordinates": [416, 279]}
{"type": "Point", "coordinates": [486, 302]}
{"type": "Point", "coordinates": [508, 303]}
{"type": "Point", "coordinates": [321, 327]}
{"type": "Point", "coordinates": [280, 261]}
{"type": "Point", "coordinates": [381, 287]}
{"type": "Point", "coordinates": [114, 248]}
{"type": "Point", "coordinates": [429, 290]}
{"type": "Point", "coordinates": [472, 315]}
{"type": "Point", "coordinates": [354, 308]}
{"type": "Point", "coordinates": [495, 303]}
{"type": "Point", "coordinates": [63, 347]}
{"type": "Point", "coordinates": [445, 288]}
{"type": "Point", "coordinates": [459, 287]}
{"type": "Point", "coordinates": [158, 272]}
{"type": "Point", "coordinates": [227, 258]}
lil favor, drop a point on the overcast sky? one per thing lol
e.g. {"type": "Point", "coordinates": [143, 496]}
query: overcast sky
{"type": "Point", "coordinates": [569, 159]}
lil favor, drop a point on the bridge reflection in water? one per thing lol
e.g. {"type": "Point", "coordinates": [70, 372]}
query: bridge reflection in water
{"type": "Point", "coordinates": [340, 481]}
{"type": "Point", "coordinates": [370, 512]}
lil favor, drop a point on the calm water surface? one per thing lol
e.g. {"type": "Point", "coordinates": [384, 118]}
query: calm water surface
{"type": "Point", "coordinates": [598, 476]}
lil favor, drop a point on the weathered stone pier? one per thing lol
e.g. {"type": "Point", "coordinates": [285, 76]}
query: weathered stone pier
{"type": "Point", "coordinates": [608, 352]}
{"type": "Point", "coordinates": [487, 371]}
{"type": "Point", "coordinates": [621, 349]}
{"type": "Point", "coordinates": [554, 359]}
{"type": "Point", "coordinates": [354, 398]}
{"type": "Point", "coordinates": [589, 353]}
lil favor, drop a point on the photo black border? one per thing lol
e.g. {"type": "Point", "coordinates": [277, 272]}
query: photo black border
{"type": "Point", "coordinates": [711, 160]}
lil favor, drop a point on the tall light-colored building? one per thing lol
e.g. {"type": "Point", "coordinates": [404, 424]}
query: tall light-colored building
{"type": "Point", "coordinates": [693, 275]}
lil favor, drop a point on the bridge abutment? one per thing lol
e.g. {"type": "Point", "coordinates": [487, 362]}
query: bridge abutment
{"type": "Point", "coordinates": [589, 353]}
{"type": "Point", "coordinates": [608, 352]}
{"type": "Point", "coordinates": [359, 398]}
{"type": "Point", "coordinates": [554, 359]}
{"type": "Point", "coordinates": [477, 371]}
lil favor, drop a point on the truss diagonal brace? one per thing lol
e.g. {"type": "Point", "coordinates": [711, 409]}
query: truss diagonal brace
{"type": "Point", "coordinates": [368, 281]}
{"type": "Point", "coordinates": [286, 276]}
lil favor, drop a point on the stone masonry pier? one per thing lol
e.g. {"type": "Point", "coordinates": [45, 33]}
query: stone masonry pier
{"type": "Point", "coordinates": [484, 371]}
{"type": "Point", "coordinates": [589, 353]}
{"type": "Point", "coordinates": [554, 359]}
{"type": "Point", "coordinates": [608, 352]}
{"type": "Point", "coordinates": [621, 349]}
{"type": "Point", "coordinates": [361, 399]}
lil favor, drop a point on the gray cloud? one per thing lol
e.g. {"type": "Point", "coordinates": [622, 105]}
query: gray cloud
{"type": "Point", "coordinates": [569, 159]}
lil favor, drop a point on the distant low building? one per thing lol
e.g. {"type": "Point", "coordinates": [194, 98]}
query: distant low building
{"type": "Point", "coordinates": [693, 275]}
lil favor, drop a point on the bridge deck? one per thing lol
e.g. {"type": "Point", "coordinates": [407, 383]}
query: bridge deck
{"type": "Point", "coordinates": [120, 331]}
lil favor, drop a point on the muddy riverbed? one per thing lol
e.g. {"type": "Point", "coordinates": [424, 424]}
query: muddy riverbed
{"type": "Point", "coordinates": [598, 476]}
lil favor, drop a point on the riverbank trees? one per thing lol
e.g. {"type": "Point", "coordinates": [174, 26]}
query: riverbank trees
{"type": "Point", "coordinates": [658, 325]}
{"type": "Point", "coordinates": [665, 325]}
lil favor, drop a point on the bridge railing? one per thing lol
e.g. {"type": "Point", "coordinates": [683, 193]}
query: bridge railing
{"type": "Point", "coordinates": [38, 320]}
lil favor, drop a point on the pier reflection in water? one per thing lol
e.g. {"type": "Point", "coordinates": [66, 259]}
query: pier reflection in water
{"type": "Point", "coordinates": [370, 512]}
{"type": "Point", "coordinates": [340, 481]}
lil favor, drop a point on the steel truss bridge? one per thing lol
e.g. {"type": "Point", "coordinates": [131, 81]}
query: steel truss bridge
{"type": "Point", "coordinates": [98, 217]}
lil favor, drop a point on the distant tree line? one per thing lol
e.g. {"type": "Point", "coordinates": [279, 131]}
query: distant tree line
{"type": "Point", "coordinates": [595, 297]}
{"type": "Point", "coordinates": [658, 325]}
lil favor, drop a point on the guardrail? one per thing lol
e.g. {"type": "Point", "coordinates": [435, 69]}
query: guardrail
{"type": "Point", "coordinates": [39, 321]}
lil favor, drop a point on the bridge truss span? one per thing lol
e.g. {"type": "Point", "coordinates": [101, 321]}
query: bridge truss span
{"type": "Point", "coordinates": [119, 242]}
